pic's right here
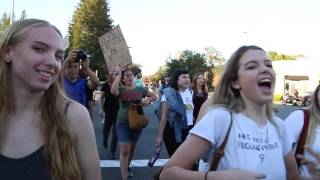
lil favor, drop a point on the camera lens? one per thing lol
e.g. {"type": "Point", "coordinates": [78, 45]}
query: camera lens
{"type": "Point", "coordinates": [81, 56]}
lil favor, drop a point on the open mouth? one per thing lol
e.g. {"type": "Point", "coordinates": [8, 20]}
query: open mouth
{"type": "Point", "coordinates": [45, 74]}
{"type": "Point", "coordinates": [265, 83]}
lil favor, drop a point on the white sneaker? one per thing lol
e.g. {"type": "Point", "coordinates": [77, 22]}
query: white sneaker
{"type": "Point", "coordinates": [130, 173]}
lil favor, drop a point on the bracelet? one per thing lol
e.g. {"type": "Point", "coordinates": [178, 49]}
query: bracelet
{"type": "Point", "coordinates": [206, 175]}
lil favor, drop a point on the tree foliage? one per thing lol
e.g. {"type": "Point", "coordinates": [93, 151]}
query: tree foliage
{"type": "Point", "coordinates": [214, 57]}
{"type": "Point", "coordinates": [90, 21]}
{"type": "Point", "coordinates": [275, 56]}
{"type": "Point", "coordinates": [5, 20]}
{"type": "Point", "coordinates": [193, 62]}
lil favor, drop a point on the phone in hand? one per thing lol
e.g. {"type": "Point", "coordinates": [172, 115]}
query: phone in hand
{"type": "Point", "coordinates": [155, 156]}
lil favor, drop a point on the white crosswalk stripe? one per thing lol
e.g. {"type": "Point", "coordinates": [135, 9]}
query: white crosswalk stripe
{"type": "Point", "coordinates": [134, 163]}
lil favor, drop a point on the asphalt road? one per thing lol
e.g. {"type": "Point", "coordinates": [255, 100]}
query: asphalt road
{"type": "Point", "coordinates": [145, 146]}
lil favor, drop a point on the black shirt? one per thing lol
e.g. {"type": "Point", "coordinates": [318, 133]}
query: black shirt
{"type": "Point", "coordinates": [111, 102]}
{"type": "Point", "coordinates": [31, 167]}
{"type": "Point", "coordinates": [198, 100]}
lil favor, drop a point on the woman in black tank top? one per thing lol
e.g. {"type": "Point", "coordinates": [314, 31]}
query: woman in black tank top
{"type": "Point", "coordinates": [200, 93]}
{"type": "Point", "coordinates": [41, 138]}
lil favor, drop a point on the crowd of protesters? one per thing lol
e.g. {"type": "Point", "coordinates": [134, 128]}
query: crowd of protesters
{"type": "Point", "coordinates": [46, 102]}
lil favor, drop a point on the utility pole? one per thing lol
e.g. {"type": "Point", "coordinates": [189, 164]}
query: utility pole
{"type": "Point", "coordinates": [12, 13]}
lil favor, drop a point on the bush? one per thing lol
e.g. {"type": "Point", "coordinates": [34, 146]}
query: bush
{"type": "Point", "coordinates": [277, 97]}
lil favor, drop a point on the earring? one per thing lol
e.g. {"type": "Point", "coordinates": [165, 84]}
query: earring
{"type": "Point", "coordinates": [8, 59]}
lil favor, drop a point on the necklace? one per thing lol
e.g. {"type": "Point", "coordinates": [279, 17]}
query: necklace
{"type": "Point", "coordinates": [258, 140]}
{"type": "Point", "coordinates": [266, 141]}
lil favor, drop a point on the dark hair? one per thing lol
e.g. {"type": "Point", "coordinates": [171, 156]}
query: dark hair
{"type": "Point", "coordinates": [122, 74]}
{"type": "Point", "coordinates": [175, 77]}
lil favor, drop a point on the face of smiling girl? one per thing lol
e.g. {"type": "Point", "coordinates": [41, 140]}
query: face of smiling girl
{"type": "Point", "coordinates": [36, 60]}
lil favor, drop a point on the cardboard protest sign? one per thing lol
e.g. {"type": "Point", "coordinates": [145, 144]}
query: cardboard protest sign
{"type": "Point", "coordinates": [115, 49]}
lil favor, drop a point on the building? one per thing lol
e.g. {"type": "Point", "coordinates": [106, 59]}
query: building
{"type": "Point", "coordinates": [302, 74]}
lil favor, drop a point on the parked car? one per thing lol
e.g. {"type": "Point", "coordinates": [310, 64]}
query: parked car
{"type": "Point", "coordinates": [304, 100]}
{"type": "Point", "coordinates": [291, 99]}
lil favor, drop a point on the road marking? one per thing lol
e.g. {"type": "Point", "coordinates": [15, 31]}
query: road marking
{"type": "Point", "coordinates": [134, 163]}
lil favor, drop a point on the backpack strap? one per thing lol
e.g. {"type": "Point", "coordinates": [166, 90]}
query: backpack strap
{"type": "Point", "coordinates": [219, 153]}
{"type": "Point", "coordinates": [303, 135]}
{"type": "Point", "coordinates": [66, 107]}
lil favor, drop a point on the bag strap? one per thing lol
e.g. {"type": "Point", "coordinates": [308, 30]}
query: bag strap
{"type": "Point", "coordinates": [303, 135]}
{"type": "Point", "coordinates": [218, 153]}
{"type": "Point", "coordinates": [66, 107]}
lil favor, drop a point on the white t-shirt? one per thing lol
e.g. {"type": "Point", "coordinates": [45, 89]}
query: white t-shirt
{"type": "Point", "coordinates": [249, 147]}
{"type": "Point", "coordinates": [294, 124]}
{"type": "Point", "coordinates": [188, 104]}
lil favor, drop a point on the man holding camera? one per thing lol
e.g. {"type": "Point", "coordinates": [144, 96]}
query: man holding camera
{"type": "Point", "coordinates": [77, 88]}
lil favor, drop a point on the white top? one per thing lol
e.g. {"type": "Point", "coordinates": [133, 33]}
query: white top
{"type": "Point", "coordinates": [294, 125]}
{"type": "Point", "coordinates": [249, 147]}
{"type": "Point", "coordinates": [188, 104]}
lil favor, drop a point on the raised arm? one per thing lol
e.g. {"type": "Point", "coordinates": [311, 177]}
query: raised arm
{"type": "Point", "coordinates": [116, 82]}
{"type": "Point", "coordinates": [93, 81]}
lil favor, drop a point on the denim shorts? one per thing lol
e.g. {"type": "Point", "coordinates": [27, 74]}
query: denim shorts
{"type": "Point", "coordinates": [125, 134]}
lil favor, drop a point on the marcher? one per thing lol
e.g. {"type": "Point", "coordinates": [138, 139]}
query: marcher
{"type": "Point", "coordinates": [109, 107]}
{"type": "Point", "coordinates": [44, 135]}
{"type": "Point", "coordinates": [138, 79]}
{"type": "Point", "coordinates": [200, 93]}
{"type": "Point", "coordinates": [128, 94]}
{"type": "Point", "coordinates": [295, 124]}
{"type": "Point", "coordinates": [83, 74]}
{"type": "Point", "coordinates": [166, 82]}
{"type": "Point", "coordinates": [176, 112]}
{"type": "Point", "coordinates": [77, 88]}
{"type": "Point", "coordinates": [257, 146]}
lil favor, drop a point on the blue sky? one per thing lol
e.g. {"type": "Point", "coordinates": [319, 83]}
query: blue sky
{"type": "Point", "coordinates": [155, 29]}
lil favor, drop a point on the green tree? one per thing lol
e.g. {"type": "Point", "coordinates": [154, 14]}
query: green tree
{"type": "Point", "coordinates": [209, 62]}
{"type": "Point", "coordinates": [216, 61]}
{"type": "Point", "coordinates": [192, 61]}
{"type": "Point", "coordinates": [275, 56]}
{"type": "Point", "coordinates": [214, 57]}
{"type": "Point", "coordinates": [160, 74]}
{"type": "Point", "coordinates": [5, 20]}
{"type": "Point", "coordinates": [90, 21]}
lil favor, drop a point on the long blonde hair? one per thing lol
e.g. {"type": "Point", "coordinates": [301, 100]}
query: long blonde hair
{"type": "Point", "coordinates": [314, 109]}
{"type": "Point", "coordinates": [229, 97]}
{"type": "Point", "coordinates": [59, 140]}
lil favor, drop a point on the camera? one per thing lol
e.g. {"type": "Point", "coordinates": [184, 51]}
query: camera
{"type": "Point", "coordinates": [81, 55]}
